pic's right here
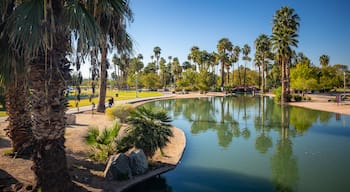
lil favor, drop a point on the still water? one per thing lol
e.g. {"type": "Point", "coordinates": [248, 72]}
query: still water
{"type": "Point", "coordinates": [250, 143]}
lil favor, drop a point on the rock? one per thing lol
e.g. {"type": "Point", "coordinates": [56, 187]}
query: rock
{"type": "Point", "coordinates": [118, 168]}
{"type": "Point", "coordinates": [138, 161]}
{"type": "Point", "coordinates": [70, 119]}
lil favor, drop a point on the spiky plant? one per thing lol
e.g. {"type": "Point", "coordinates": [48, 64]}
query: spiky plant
{"type": "Point", "coordinates": [150, 130]}
{"type": "Point", "coordinates": [102, 143]}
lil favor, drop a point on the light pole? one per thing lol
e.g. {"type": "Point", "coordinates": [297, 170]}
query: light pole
{"type": "Point", "coordinates": [344, 83]}
{"type": "Point", "coordinates": [136, 85]}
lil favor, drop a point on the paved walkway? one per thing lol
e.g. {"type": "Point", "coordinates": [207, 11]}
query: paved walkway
{"type": "Point", "coordinates": [88, 108]}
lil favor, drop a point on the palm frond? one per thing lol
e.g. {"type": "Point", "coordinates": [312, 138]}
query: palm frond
{"type": "Point", "coordinates": [25, 27]}
{"type": "Point", "coordinates": [82, 24]}
{"type": "Point", "coordinates": [91, 138]}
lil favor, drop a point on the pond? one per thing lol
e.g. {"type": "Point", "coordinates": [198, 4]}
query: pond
{"type": "Point", "coordinates": [247, 143]}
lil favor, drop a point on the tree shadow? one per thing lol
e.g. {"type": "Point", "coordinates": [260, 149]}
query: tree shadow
{"type": "Point", "coordinates": [7, 181]}
{"type": "Point", "coordinates": [4, 143]}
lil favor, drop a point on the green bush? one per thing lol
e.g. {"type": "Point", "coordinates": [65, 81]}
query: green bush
{"type": "Point", "coordinates": [297, 98]}
{"type": "Point", "coordinates": [102, 143]}
{"type": "Point", "coordinates": [121, 111]}
{"type": "Point", "coordinates": [149, 131]}
{"type": "Point", "coordinates": [278, 94]}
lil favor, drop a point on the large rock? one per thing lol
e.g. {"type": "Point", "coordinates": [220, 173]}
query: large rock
{"type": "Point", "coordinates": [118, 168]}
{"type": "Point", "coordinates": [70, 119]}
{"type": "Point", "coordinates": [138, 161]}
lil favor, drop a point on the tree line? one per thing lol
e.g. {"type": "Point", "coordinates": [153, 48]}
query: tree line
{"type": "Point", "coordinates": [41, 40]}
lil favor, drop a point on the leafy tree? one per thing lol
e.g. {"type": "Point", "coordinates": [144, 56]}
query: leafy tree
{"type": "Point", "coordinates": [150, 130]}
{"type": "Point", "coordinates": [163, 71]}
{"type": "Point", "coordinates": [304, 77]}
{"type": "Point", "coordinates": [284, 36]}
{"type": "Point", "coordinates": [150, 80]}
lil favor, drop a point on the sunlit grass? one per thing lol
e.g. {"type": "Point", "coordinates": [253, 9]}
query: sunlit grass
{"type": "Point", "coordinates": [2, 113]}
{"type": "Point", "coordinates": [122, 95]}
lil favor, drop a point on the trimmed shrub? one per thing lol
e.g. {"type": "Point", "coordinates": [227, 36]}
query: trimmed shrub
{"type": "Point", "coordinates": [121, 111]}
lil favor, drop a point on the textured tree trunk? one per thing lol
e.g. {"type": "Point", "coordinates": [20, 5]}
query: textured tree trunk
{"type": "Point", "coordinates": [48, 74]}
{"type": "Point", "coordinates": [103, 78]}
{"type": "Point", "coordinates": [222, 74]}
{"type": "Point", "coordinates": [262, 75]}
{"type": "Point", "coordinates": [19, 128]}
{"type": "Point", "coordinates": [284, 95]}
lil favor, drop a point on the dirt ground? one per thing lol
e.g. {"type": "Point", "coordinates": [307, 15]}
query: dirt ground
{"type": "Point", "coordinates": [84, 172]}
{"type": "Point", "coordinates": [89, 174]}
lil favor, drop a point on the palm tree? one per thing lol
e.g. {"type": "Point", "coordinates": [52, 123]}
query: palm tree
{"type": "Point", "coordinates": [245, 51]}
{"type": "Point", "coordinates": [150, 130]}
{"type": "Point", "coordinates": [43, 40]}
{"type": "Point", "coordinates": [162, 68]}
{"type": "Point", "coordinates": [234, 59]}
{"type": "Point", "coordinates": [14, 82]}
{"type": "Point", "coordinates": [157, 50]}
{"type": "Point", "coordinates": [324, 60]}
{"type": "Point", "coordinates": [112, 24]}
{"type": "Point", "coordinates": [284, 36]}
{"type": "Point", "coordinates": [262, 46]}
{"type": "Point", "coordinates": [224, 46]}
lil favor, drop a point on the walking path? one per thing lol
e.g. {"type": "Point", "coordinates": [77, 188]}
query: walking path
{"type": "Point", "coordinates": [89, 108]}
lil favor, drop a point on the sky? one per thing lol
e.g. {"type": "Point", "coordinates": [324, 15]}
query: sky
{"type": "Point", "coordinates": [177, 25]}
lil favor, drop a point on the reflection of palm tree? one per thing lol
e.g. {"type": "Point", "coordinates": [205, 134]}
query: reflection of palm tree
{"type": "Point", "coordinates": [263, 142]}
{"type": "Point", "coordinates": [284, 165]}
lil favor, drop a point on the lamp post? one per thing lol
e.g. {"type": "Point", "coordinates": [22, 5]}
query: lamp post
{"type": "Point", "coordinates": [136, 85]}
{"type": "Point", "coordinates": [344, 83]}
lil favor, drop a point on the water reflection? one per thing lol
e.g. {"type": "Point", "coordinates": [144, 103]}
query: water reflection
{"type": "Point", "coordinates": [240, 124]}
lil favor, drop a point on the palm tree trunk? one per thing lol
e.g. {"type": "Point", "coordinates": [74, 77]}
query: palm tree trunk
{"type": "Point", "coordinates": [19, 128]}
{"type": "Point", "coordinates": [222, 74]}
{"type": "Point", "coordinates": [103, 78]}
{"type": "Point", "coordinates": [262, 74]}
{"type": "Point", "coordinates": [284, 82]}
{"type": "Point", "coordinates": [48, 74]}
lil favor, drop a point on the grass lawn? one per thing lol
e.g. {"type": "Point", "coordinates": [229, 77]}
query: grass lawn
{"type": "Point", "coordinates": [2, 113]}
{"type": "Point", "coordinates": [122, 95]}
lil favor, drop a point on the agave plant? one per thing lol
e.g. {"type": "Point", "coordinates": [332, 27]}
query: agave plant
{"type": "Point", "coordinates": [102, 143]}
{"type": "Point", "coordinates": [150, 130]}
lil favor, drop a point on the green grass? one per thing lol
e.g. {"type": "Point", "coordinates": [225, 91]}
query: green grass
{"type": "Point", "coordinates": [122, 95]}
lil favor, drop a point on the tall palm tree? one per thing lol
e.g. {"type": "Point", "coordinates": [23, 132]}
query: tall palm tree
{"type": "Point", "coordinates": [44, 40]}
{"type": "Point", "coordinates": [14, 80]}
{"type": "Point", "coordinates": [245, 51]}
{"type": "Point", "coordinates": [263, 46]}
{"type": "Point", "coordinates": [234, 59]}
{"type": "Point", "coordinates": [324, 60]}
{"type": "Point", "coordinates": [157, 51]}
{"type": "Point", "coordinates": [111, 16]}
{"type": "Point", "coordinates": [224, 46]}
{"type": "Point", "coordinates": [284, 36]}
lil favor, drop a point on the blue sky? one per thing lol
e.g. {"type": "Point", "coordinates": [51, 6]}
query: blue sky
{"type": "Point", "coordinates": [177, 25]}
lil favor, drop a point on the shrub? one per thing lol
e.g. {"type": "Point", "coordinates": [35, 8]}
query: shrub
{"type": "Point", "coordinates": [278, 94]}
{"type": "Point", "coordinates": [150, 130]}
{"type": "Point", "coordinates": [121, 111]}
{"type": "Point", "coordinates": [297, 98]}
{"type": "Point", "coordinates": [102, 143]}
